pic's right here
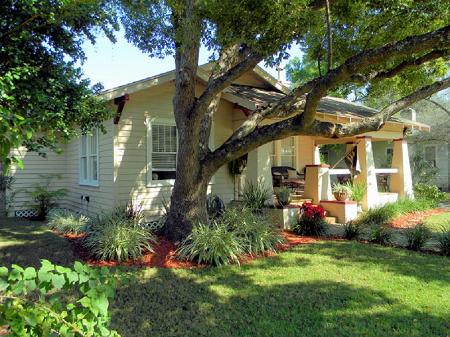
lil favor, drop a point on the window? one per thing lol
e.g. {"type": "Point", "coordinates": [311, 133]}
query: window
{"type": "Point", "coordinates": [389, 156]}
{"type": "Point", "coordinates": [430, 155]}
{"type": "Point", "coordinates": [89, 159]}
{"type": "Point", "coordinates": [163, 146]}
{"type": "Point", "coordinates": [288, 152]}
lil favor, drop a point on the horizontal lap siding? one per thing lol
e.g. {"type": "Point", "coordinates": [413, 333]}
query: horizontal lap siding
{"type": "Point", "coordinates": [35, 167]}
{"type": "Point", "coordinates": [101, 197]}
{"type": "Point", "coordinates": [131, 149]}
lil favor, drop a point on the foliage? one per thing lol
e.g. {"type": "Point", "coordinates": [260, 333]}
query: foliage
{"type": "Point", "coordinates": [384, 214]}
{"type": "Point", "coordinates": [444, 241]}
{"type": "Point", "coordinates": [352, 230]}
{"type": "Point", "coordinates": [34, 301]}
{"type": "Point", "coordinates": [46, 197]}
{"type": "Point", "coordinates": [215, 206]}
{"type": "Point", "coordinates": [381, 235]}
{"type": "Point", "coordinates": [255, 195]}
{"type": "Point", "coordinates": [237, 166]}
{"type": "Point", "coordinates": [6, 199]}
{"type": "Point", "coordinates": [130, 211]}
{"type": "Point", "coordinates": [429, 192]}
{"type": "Point", "coordinates": [423, 172]}
{"type": "Point", "coordinates": [357, 191]}
{"type": "Point", "coordinates": [283, 196]}
{"type": "Point", "coordinates": [67, 222]}
{"type": "Point", "coordinates": [212, 244]}
{"type": "Point", "coordinates": [342, 188]}
{"type": "Point", "coordinates": [256, 234]}
{"type": "Point", "coordinates": [42, 95]}
{"type": "Point", "coordinates": [113, 237]}
{"type": "Point", "coordinates": [417, 237]}
{"type": "Point", "coordinates": [311, 221]}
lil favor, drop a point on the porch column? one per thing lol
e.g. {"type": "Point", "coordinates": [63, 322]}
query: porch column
{"type": "Point", "coordinates": [401, 182]}
{"type": "Point", "coordinates": [258, 166]}
{"type": "Point", "coordinates": [317, 183]}
{"type": "Point", "coordinates": [277, 153]}
{"type": "Point", "coordinates": [307, 152]}
{"type": "Point", "coordinates": [367, 176]}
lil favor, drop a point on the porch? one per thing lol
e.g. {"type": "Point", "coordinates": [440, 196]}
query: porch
{"type": "Point", "coordinates": [296, 163]}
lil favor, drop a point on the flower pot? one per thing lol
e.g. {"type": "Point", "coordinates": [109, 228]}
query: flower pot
{"type": "Point", "coordinates": [341, 196]}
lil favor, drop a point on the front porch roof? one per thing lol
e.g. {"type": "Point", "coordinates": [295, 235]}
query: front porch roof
{"type": "Point", "coordinates": [336, 109]}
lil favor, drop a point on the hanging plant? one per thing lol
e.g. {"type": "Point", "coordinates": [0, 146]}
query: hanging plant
{"type": "Point", "coordinates": [237, 166]}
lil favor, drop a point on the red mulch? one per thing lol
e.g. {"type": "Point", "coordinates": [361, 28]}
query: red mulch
{"type": "Point", "coordinates": [164, 253]}
{"type": "Point", "coordinates": [413, 219]}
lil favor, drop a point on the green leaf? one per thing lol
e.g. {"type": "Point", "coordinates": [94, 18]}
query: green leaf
{"type": "Point", "coordinates": [100, 304]}
{"type": "Point", "coordinates": [3, 271]}
{"type": "Point", "coordinates": [29, 273]}
{"type": "Point", "coordinates": [58, 281]}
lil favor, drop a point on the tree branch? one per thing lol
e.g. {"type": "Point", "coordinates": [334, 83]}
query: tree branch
{"type": "Point", "coordinates": [234, 148]}
{"type": "Point", "coordinates": [438, 105]}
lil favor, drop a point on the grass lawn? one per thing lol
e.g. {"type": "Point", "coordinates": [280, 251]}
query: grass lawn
{"type": "Point", "coordinates": [437, 222]}
{"type": "Point", "coordinates": [332, 288]}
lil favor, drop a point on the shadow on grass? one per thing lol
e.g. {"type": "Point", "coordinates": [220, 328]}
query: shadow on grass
{"type": "Point", "coordinates": [26, 242]}
{"type": "Point", "coordinates": [227, 302]}
{"type": "Point", "coordinates": [422, 266]}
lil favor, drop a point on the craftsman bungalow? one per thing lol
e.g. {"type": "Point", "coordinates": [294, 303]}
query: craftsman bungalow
{"type": "Point", "coordinates": [135, 159]}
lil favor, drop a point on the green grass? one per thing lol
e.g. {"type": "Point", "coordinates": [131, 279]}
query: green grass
{"type": "Point", "coordinates": [333, 288]}
{"type": "Point", "coordinates": [437, 222]}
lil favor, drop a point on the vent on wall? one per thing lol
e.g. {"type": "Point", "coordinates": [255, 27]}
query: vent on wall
{"type": "Point", "coordinates": [25, 213]}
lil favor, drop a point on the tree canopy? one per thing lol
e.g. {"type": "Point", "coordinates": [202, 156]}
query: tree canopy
{"type": "Point", "coordinates": [361, 44]}
{"type": "Point", "coordinates": [43, 100]}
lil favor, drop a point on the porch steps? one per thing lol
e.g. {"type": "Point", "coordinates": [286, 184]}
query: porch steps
{"type": "Point", "coordinates": [331, 220]}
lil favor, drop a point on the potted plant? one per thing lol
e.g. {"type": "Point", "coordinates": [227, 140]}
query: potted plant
{"type": "Point", "coordinates": [341, 191]}
{"type": "Point", "coordinates": [283, 196]}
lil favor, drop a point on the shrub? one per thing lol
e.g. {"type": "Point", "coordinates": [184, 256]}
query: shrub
{"type": "Point", "coordinates": [283, 196]}
{"type": "Point", "coordinates": [34, 304]}
{"type": "Point", "coordinates": [255, 195]}
{"type": "Point", "coordinates": [357, 191]}
{"type": "Point", "coordinates": [117, 238]}
{"type": "Point", "coordinates": [67, 222]}
{"type": "Point", "coordinates": [417, 236]}
{"type": "Point", "coordinates": [215, 206]}
{"type": "Point", "coordinates": [312, 221]}
{"type": "Point", "coordinates": [44, 197]}
{"type": "Point", "coordinates": [131, 211]}
{"type": "Point", "coordinates": [211, 244]}
{"type": "Point", "coordinates": [352, 230]}
{"type": "Point", "coordinates": [429, 192]}
{"type": "Point", "coordinates": [444, 241]}
{"type": "Point", "coordinates": [256, 234]}
{"type": "Point", "coordinates": [381, 235]}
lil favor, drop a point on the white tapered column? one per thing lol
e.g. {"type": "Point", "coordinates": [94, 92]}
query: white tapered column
{"type": "Point", "coordinates": [401, 182]}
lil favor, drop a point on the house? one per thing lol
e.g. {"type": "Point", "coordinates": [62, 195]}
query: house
{"type": "Point", "coordinates": [136, 157]}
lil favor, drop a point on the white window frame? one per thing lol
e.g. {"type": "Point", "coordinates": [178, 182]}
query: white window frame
{"type": "Point", "coordinates": [149, 122]}
{"type": "Point", "coordinates": [435, 153]}
{"type": "Point", "coordinates": [89, 181]}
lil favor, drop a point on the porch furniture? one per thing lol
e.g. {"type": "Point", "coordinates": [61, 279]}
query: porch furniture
{"type": "Point", "coordinates": [286, 176]}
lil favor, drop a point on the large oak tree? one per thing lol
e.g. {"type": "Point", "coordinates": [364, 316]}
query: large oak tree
{"type": "Point", "coordinates": [374, 41]}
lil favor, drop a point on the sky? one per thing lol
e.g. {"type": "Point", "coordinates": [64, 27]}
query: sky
{"type": "Point", "coordinates": [114, 64]}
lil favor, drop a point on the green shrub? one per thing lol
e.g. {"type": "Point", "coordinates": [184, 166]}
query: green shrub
{"type": "Point", "coordinates": [380, 235]}
{"type": "Point", "coordinates": [444, 241]}
{"type": "Point", "coordinates": [34, 302]}
{"type": "Point", "coordinates": [256, 234]}
{"type": "Point", "coordinates": [215, 206]}
{"type": "Point", "coordinates": [117, 238]}
{"type": "Point", "coordinates": [67, 222]}
{"type": "Point", "coordinates": [352, 230]}
{"type": "Point", "coordinates": [131, 211]}
{"type": "Point", "coordinates": [357, 191]}
{"type": "Point", "coordinates": [255, 196]}
{"type": "Point", "coordinates": [429, 192]}
{"type": "Point", "coordinates": [45, 197]}
{"type": "Point", "coordinates": [417, 237]}
{"type": "Point", "coordinates": [212, 244]}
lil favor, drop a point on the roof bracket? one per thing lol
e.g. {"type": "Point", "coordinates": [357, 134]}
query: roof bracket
{"type": "Point", "coordinates": [120, 102]}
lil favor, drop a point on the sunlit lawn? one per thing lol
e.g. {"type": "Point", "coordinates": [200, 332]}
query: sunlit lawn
{"type": "Point", "coordinates": [438, 222]}
{"type": "Point", "coordinates": [326, 289]}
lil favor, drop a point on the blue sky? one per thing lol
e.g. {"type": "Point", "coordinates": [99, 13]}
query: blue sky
{"type": "Point", "coordinates": [113, 64]}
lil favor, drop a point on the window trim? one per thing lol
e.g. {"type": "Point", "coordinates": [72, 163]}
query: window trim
{"type": "Point", "coordinates": [88, 182]}
{"type": "Point", "coordinates": [434, 146]}
{"type": "Point", "coordinates": [149, 122]}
